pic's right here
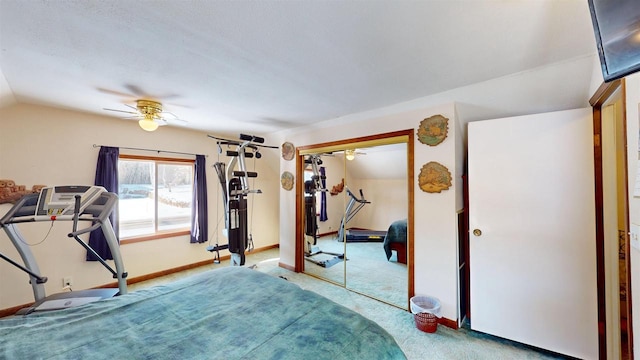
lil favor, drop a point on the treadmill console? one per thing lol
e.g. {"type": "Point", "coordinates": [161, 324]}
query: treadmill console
{"type": "Point", "coordinates": [59, 201]}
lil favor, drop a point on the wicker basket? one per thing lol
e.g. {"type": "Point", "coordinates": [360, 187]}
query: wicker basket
{"type": "Point", "coordinates": [426, 322]}
{"type": "Point", "coordinates": [426, 312]}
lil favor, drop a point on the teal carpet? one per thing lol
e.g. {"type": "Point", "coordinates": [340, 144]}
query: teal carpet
{"type": "Point", "coordinates": [367, 270]}
{"type": "Point", "coordinates": [444, 344]}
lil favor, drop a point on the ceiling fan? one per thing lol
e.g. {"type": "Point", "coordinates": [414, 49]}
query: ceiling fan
{"type": "Point", "coordinates": [350, 154]}
{"type": "Point", "coordinates": [150, 114]}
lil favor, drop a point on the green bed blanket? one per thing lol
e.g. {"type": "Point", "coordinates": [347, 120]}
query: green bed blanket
{"type": "Point", "coordinates": [227, 313]}
{"type": "Point", "coordinates": [397, 233]}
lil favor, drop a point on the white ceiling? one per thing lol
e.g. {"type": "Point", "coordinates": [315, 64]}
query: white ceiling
{"type": "Point", "coordinates": [263, 66]}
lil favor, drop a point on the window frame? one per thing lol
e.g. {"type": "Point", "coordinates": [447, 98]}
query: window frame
{"type": "Point", "coordinates": [165, 233]}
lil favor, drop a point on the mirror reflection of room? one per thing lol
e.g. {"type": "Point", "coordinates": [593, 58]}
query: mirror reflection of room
{"type": "Point", "coordinates": [364, 217]}
{"type": "Point", "coordinates": [376, 230]}
{"type": "Point", "coordinates": [323, 254]}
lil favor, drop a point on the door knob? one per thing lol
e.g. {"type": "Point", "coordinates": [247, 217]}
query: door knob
{"type": "Point", "coordinates": [477, 232]}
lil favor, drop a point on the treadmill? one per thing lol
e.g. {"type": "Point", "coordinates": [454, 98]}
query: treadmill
{"type": "Point", "coordinates": [65, 203]}
{"type": "Point", "coordinates": [357, 235]}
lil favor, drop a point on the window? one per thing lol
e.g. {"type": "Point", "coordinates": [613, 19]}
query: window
{"type": "Point", "coordinates": [155, 196]}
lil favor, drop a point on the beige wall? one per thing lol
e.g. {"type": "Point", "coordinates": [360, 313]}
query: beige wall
{"type": "Point", "coordinates": [41, 145]}
{"type": "Point", "coordinates": [389, 202]}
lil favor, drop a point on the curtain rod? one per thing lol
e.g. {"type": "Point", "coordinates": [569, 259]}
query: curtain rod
{"type": "Point", "coordinates": [158, 151]}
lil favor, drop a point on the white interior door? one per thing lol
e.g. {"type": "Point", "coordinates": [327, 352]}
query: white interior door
{"type": "Point", "coordinates": [533, 267]}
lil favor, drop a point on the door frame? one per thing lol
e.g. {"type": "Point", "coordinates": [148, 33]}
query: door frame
{"type": "Point", "coordinates": [599, 98]}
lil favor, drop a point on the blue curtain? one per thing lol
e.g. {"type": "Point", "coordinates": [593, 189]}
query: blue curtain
{"type": "Point", "coordinates": [323, 196]}
{"type": "Point", "coordinates": [107, 177]}
{"type": "Point", "coordinates": [199, 220]}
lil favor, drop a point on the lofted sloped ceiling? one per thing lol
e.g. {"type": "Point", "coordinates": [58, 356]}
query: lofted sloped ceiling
{"type": "Point", "coordinates": [379, 162]}
{"type": "Point", "coordinates": [264, 66]}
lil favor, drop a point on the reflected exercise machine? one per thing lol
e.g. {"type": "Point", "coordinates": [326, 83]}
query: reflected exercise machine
{"type": "Point", "coordinates": [235, 188]}
{"type": "Point", "coordinates": [311, 187]}
{"type": "Point", "coordinates": [357, 235]}
{"type": "Point", "coordinates": [65, 203]}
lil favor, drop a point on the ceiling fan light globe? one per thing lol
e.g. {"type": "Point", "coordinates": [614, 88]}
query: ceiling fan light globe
{"type": "Point", "coordinates": [148, 125]}
{"type": "Point", "coordinates": [350, 154]}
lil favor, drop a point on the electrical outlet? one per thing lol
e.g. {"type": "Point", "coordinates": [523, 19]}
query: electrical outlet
{"type": "Point", "coordinates": [67, 281]}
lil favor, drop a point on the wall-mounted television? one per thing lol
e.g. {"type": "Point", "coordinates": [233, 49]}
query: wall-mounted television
{"type": "Point", "coordinates": [616, 25]}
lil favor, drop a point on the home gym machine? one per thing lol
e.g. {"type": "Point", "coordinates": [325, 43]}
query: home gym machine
{"type": "Point", "coordinates": [311, 187]}
{"type": "Point", "coordinates": [235, 188]}
{"type": "Point", "coordinates": [357, 235]}
{"type": "Point", "coordinates": [65, 203]}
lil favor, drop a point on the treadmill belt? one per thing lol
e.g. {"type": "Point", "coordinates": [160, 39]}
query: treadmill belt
{"type": "Point", "coordinates": [354, 235]}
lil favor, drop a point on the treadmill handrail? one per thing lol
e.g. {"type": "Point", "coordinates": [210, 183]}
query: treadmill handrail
{"type": "Point", "coordinates": [95, 226]}
{"type": "Point", "coordinates": [363, 200]}
{"type": "Point", "coordinates": [18, 212]}
{"type": "Point", "coordinates": [14, 211]}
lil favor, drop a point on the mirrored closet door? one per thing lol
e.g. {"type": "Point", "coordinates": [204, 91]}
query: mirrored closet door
{"type": "Point", "coordinates": [323, 194]}
{"type": "Point", "coordinates": [356, 195]}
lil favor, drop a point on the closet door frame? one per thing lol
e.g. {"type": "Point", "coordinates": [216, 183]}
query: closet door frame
{"type": "Point", "coordinates": [406, 136]}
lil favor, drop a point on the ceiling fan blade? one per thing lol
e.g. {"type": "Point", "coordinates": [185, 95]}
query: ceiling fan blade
{"type": "Point", "coordinates": [168, 96]}
{"type": "Point", "coordinates": [122, 111]}
{"type": "Point", "coordinates": [133, 107]}
{"type": "Point", "coordinates": [136, 90]}
{"type": "Point", "coordinates": [115, 92]}
{"type": "Point", "coordinates": [176, 104]}
{"type": "Point", "coordinates": [172, 117]}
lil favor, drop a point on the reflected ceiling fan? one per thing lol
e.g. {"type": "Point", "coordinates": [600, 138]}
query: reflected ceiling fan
{"type": "Point", "coordinates": [149, 114]}
{"type": "Point", "coordinates": [350, 154]}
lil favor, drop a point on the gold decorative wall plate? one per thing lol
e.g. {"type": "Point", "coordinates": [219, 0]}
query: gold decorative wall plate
{"type": "Point", "coordinates": [434, 177]}
{"type": "Point", "coordinates": [433, 130]}
{"type": "Point", "coordinates": [286, 179]}
{"type": "Point", "coordinates": [288, 150]}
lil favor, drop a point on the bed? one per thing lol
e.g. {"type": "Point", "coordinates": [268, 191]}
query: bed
{"type": "Point", "coordinates": [396, 239]}
{"type": "Point", "coordinates": [230, 313]}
